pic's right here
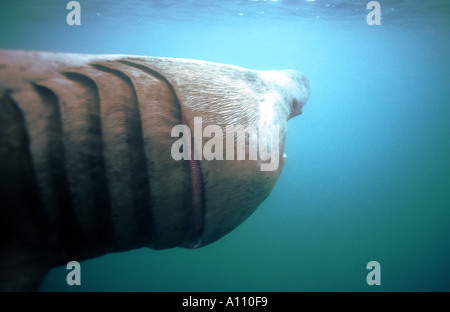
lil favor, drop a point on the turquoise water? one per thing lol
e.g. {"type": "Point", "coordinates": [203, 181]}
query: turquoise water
{"type": "Point", "coordinates": [368, 170]}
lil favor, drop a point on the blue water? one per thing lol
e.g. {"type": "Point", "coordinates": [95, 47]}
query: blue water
{"type": "Point", "coordinates": [368, 170]}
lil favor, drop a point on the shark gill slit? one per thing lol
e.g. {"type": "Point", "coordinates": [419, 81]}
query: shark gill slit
{"type": "Point", "coordinates": [136, 158]}
{"type": "Point", "coordinates": [197, 184]}
{"type": "Point", "coordinates": [71, 235]}
{"type": "Point", "coordinates": [97, 172]}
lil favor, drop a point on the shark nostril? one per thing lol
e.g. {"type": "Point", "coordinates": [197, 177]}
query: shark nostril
{"type": "Point", "coordinates": [295, 107]}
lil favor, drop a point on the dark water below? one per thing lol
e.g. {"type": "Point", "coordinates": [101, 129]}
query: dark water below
{"type": "Point", "coordinates": [368, 170]}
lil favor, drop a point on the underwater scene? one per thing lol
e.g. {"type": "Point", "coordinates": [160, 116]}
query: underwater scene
{"type": "Point", "coordinates": [363, 201]}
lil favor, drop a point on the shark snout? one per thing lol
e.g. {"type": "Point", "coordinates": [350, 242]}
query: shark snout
{"type": "Point", "coordinates": [299, 92]}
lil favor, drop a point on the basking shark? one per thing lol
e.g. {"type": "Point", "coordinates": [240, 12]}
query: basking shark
{"type": "Point", "coordinates": [108, 153]}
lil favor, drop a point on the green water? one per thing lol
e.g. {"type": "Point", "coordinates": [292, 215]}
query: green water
{"type": "Point", "coordinates": [368, 169]}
